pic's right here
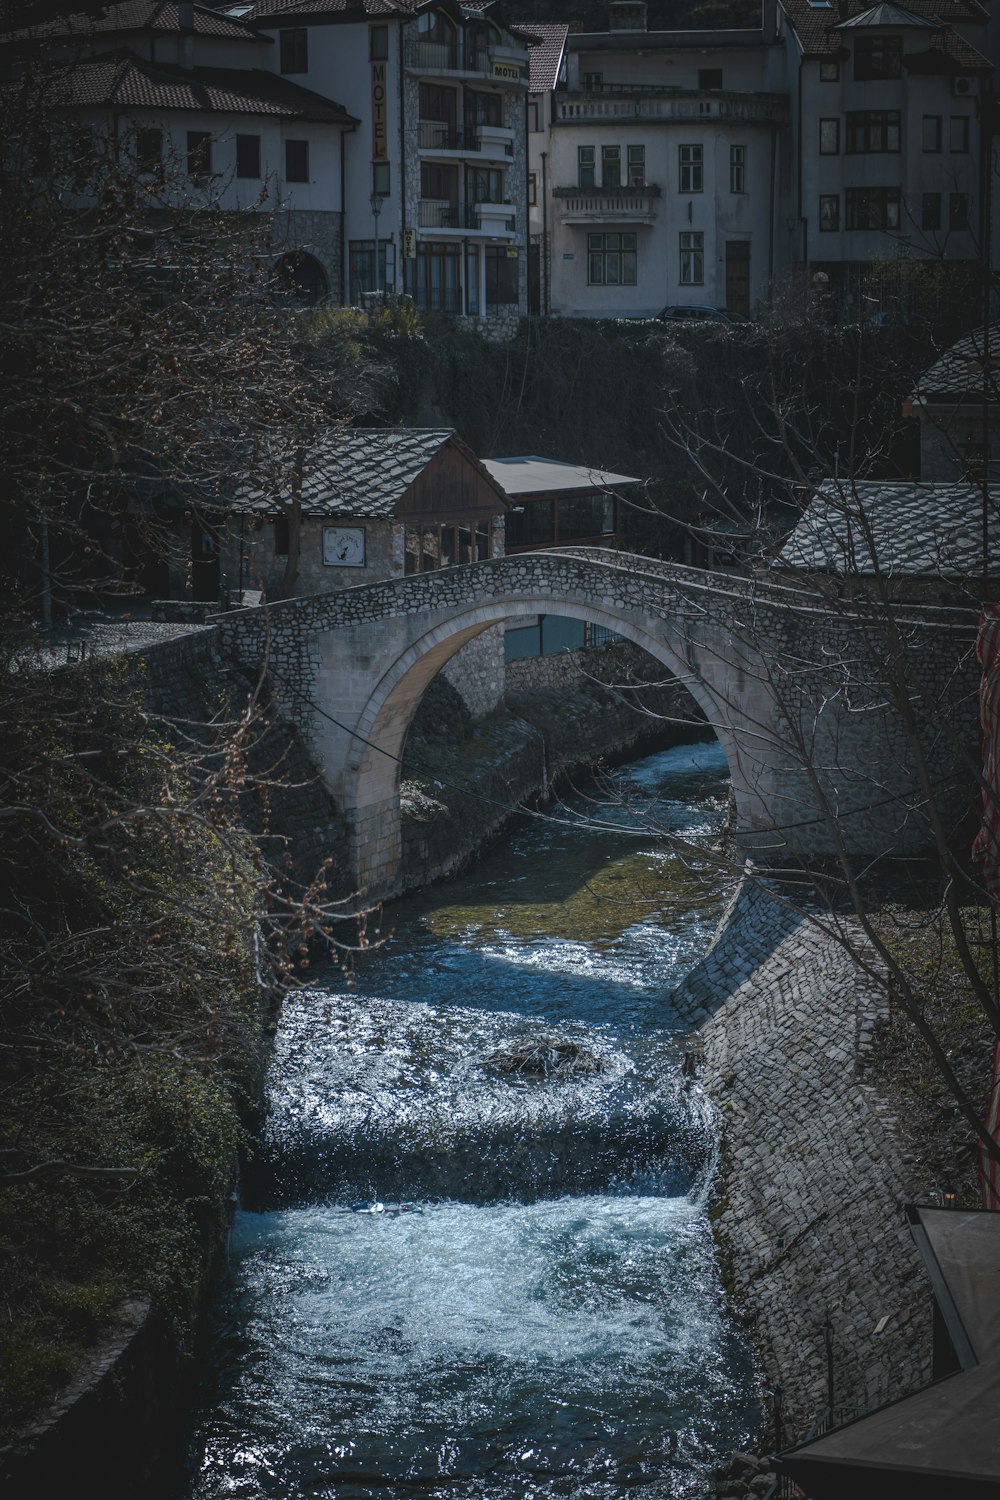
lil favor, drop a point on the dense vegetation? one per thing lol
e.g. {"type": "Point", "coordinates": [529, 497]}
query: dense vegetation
{"type": "Point", "coordinates": [130, 1011]}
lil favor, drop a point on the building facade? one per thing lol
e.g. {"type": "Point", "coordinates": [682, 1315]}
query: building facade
{"type": "Point", "coordinates": [436, 197]}
{"type": "Point", "coordinates": [887, 134]}
{"type": "Point", "coordinates": [662, 169]}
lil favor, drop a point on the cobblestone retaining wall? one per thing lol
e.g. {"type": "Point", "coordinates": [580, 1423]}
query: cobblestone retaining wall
{"type": "Point", "coordinates": [813, 1175]}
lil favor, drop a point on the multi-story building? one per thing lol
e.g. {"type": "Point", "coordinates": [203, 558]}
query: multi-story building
{"type": "Point", "coordinates": [888, 113]}
{"type": "Point", "coordinates": [662, 165]}
{"type": "Point", "coordinates": [194, 98]}
{"type": "Point", "coordinates": [436, 196]}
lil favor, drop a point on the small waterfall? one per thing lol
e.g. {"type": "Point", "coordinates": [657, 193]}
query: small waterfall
{"type": "Point", "coordinates": [536, 1310]}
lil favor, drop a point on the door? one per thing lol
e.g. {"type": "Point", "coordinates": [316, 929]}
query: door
{"type": "Point", "coordinates": [738, 276]}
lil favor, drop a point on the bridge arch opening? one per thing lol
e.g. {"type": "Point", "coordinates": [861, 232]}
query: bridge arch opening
{"type": "Point", "coordinates": [371, 786]}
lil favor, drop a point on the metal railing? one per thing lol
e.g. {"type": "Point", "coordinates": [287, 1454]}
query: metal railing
{"type": "Point", "coordinates": [434, 213]}
{"type": "Point", "coordinates": [437, 135]}
{"type": "Point", "coordinates": [447, 57]}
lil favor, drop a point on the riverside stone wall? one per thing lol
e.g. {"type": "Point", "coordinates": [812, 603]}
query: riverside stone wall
{"type": "Point", "coordinates": [814, 1170]}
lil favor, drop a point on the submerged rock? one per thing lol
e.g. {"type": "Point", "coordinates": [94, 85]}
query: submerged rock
{"type": "Point", "coordinates": [544, 1057]}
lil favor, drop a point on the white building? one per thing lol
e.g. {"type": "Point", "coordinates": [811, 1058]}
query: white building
{"type": "Point", "coordinates": [195, 97]}
{"type": "Point", "coordinates": [663, 167]}
{"type": "Point", "coordinates": [436, 176]}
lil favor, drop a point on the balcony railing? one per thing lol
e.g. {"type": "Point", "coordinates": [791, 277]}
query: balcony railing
{"type": "Point", "coordinates": [601, 204]}
{"type": "Point", "coordinates": [435, 135]}
{"type": "Point", "coordinates": [644, 103]}
{"type": "Point", "coordinates": [502, 64]}
{"type": "Point", "coordinates": [436, 213]}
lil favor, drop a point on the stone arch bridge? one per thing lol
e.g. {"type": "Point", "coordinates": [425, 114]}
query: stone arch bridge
{"type": "Point", "coordinates": [826, 754]}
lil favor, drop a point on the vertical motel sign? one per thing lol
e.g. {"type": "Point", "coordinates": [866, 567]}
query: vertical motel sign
{"type": "Point", "coordinates": [379, 135]}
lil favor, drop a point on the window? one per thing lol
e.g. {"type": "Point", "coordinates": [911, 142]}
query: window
{"type": "Point", "coordinates": [248, 156]}
{"type": "Point", "coordinates": [930, 211]}
{"type": "Point", "coordinates": [878, 57]}
{"type": "Point", "coordinates": [199, 153]}
{"type": "Point", "coordinates": [484, 185]}
{"type": "Point", "coordinates": [611, 166]}
{"type": "Point", "coordinates": [872, 130]}
{"type": "Point", "coordinates": [438, 103]}
{"type": "Point", "coordinates": [378, 44]}
{"type": "Point", "coordinates": [871, 208]}
{"type": "Point", "coordinates": [533, 120]}
{"type": "Point", "coordinates": [532, 189]}
{"type": "Point", "coordinates": [737, 169]}
{"type": "Point", "coordinates": [482, 108]}
{"type": "Point", "coordinates": [586, 174]}
{"type": "Point", "coordinates": [932, 133]}
{"type": "Point", "coordinates": [710, 78]}
{"type": "Point", "coordinates": [439, 182]}
{"type": "Point", "coordinates": [593, 80]}
{"type": "Point", "coordinates": [690, 161]}
{"type": "Point", "coordinates": [148, 149]}
{"type": "Point", "coordinates": [829, 212]}
{"type": "Point", "coordinates": [501, 278]}
{"type": "Point", "coordinates": [381, 179]}
{"type": "Point", "coordinates": [362, 267]}
{"type": "Point", "coordinates": [958, 133]}
{"type": "Point", "coordinates": [829, 137]}
{"type": "Point", "coordinates": [829, 72]}
{"type": "Point", "coordinates": [611, 259]}
{"type": "Point", "coordinates": [296, 161]}
{"type": "Point", "coordinates": [437, 276]}
{"type": "Point", "coordinates": [637, 166]}
{"type": "Point", "coordinates": [293, 45]}
{"type": "Point", "coordinates": [692, 258]}
{"type": "Point", "coordinates": [958, 210]}
{"type": "Point", "coordinates": [281, 536]}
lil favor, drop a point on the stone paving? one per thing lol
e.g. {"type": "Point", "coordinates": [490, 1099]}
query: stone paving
{"type": "Point", "coordinates": [101, 635]}
{"type": "Point", "coordinates": [813, 1171]}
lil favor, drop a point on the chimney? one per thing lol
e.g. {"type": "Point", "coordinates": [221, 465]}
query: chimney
{"type": "Point", "coordinates": [627, 15]}
{"type": "Point", "coordinates": [185, 24]}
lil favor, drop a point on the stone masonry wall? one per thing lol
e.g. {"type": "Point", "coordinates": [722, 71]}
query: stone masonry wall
{"type": "Point", "coordinates": [189, 683]}
{"type": "Point", "coordinates": [813, 1171]}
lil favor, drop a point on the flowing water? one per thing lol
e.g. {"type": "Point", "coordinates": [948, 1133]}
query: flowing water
{"type": "Point", "coordinates": [448, 1282]}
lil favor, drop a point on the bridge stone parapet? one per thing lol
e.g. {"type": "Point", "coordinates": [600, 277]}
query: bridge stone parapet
{"type": "Point", "coordinates": [835, 728]}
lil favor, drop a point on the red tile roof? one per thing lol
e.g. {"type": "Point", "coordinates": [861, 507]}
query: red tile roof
{"type": "Point", "coordinates": [122, 79]}
{"type": "Point", "coordinates": [547, 43]}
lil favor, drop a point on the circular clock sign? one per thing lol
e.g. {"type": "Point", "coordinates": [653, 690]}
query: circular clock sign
{"type": "Point", "coordinates": [344, 546]}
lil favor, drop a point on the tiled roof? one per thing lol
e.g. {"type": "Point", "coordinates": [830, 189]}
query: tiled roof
{"type": "Point", "coordinates": [121, 78]}
{"type": "Point", "coordinates": [365, 472]}
{"type": "Point", "coordinates": [917, 531]}
{"type": "Point", "coordinates": [819, 29]}
{"type": "Point", "coordinates": [147, 15]}
{"type": "Point", "coordinates": [546, 43]}
{"type": "Point", "coordinates": [282, 8]}
{"type": "Point", "coordinates": [959, 371]}
{"type": "Point", "coordinates": [885, 15]}
{"type": "Point", "coordinates": [529, 475]}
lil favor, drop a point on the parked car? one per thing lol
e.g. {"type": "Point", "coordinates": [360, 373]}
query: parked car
{"type": "Point", "coordinates": [698, 313]}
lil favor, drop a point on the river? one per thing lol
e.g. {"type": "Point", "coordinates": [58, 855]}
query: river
{"type": "Point", "coordinates": [533, 1306]}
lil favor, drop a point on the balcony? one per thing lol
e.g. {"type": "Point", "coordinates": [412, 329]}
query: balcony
{"type": "Point", "coordinates": [486, 142]}
{"type": "Point", "coordinates": [494, 219]}
{"type": "Point", "coordinates": [648, 104]}
{"type": "Point", "coordinates": [507, 65]}
{"type": "Point", "coordinates": [597, 205]}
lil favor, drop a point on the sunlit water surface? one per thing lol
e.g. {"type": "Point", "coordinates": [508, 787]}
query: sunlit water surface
{"type": "Point", "coordinates": [537, 1311]}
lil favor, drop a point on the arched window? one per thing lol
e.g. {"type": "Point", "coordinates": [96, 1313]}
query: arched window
{"type": "Point", "coordinates": [437, 40]}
